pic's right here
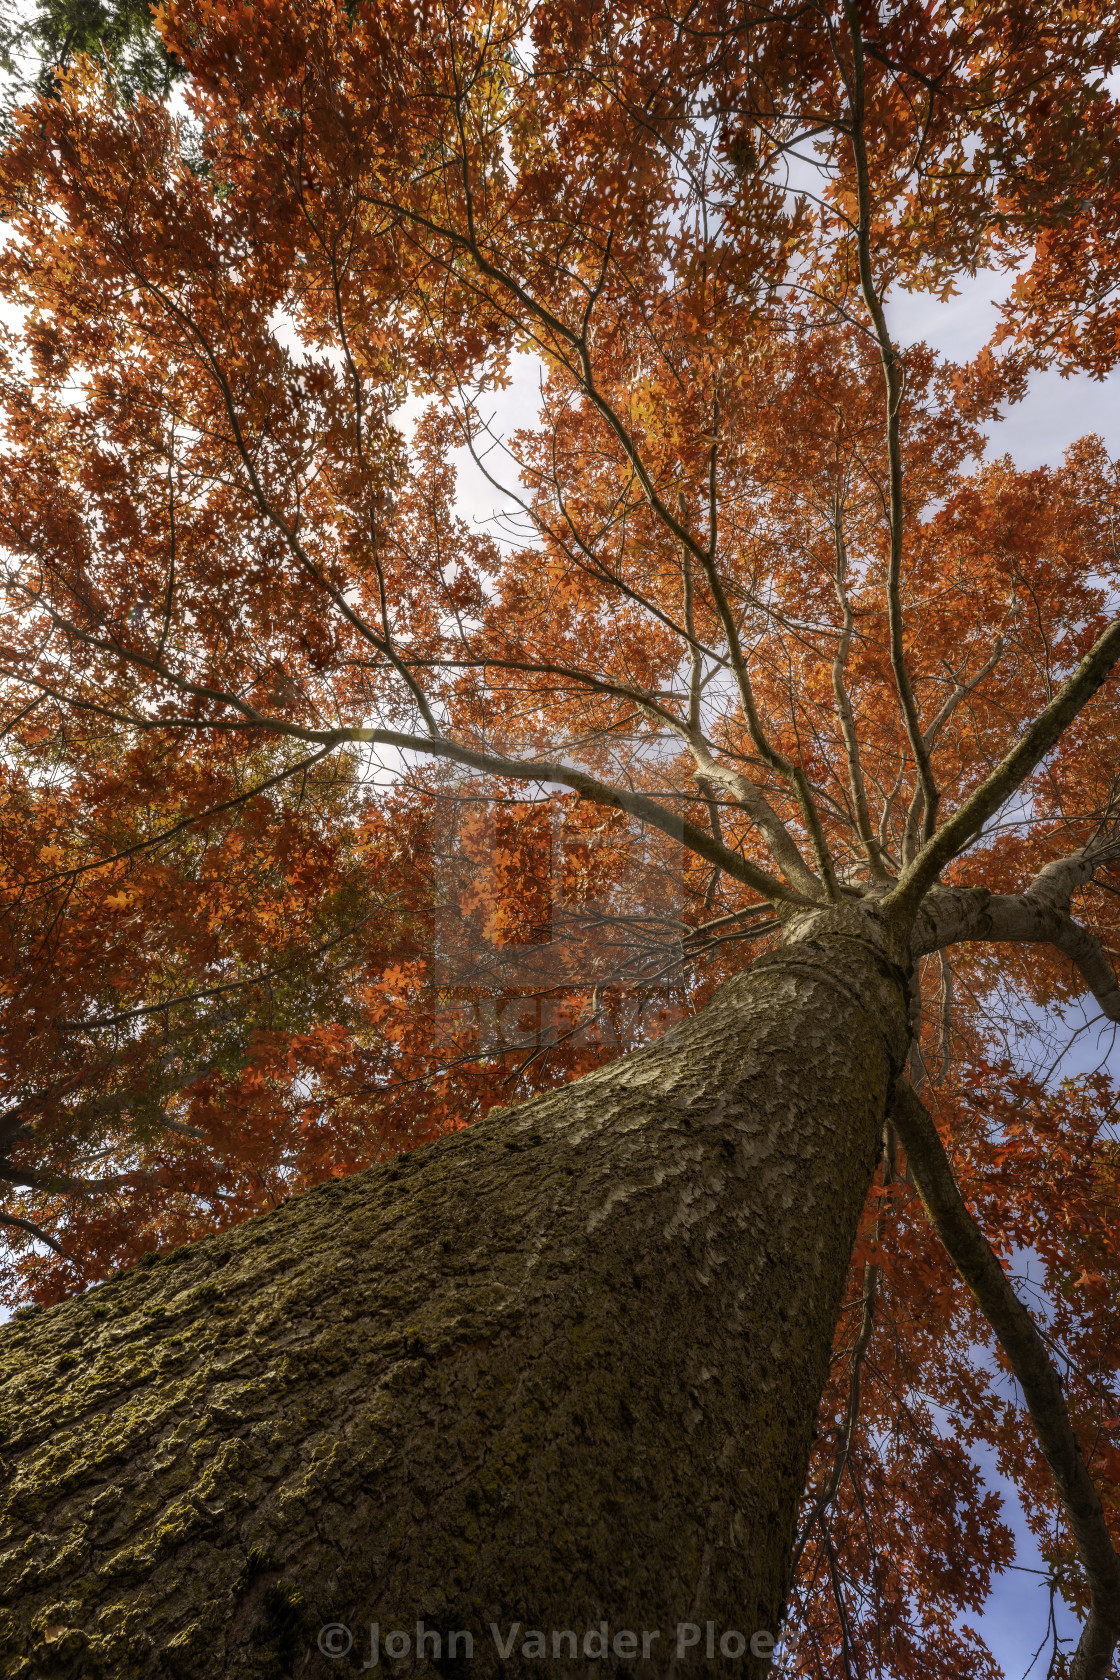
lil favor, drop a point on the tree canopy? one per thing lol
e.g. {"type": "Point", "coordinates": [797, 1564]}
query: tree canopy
{"type": "Point", "coordinates": [331, 821]}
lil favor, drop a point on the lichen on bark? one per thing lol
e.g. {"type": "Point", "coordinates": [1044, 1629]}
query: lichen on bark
{"type": "Point", "coordinates": [557, 1369]}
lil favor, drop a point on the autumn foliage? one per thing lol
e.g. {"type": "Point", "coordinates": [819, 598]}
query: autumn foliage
{"type": "Point", "coordinates": [332, 819]}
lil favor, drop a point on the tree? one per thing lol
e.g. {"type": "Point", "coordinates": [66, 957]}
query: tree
{"type": "Point", "coordinates": [36, 45]}
{"type": "Point", "coordinates": [767, 655]}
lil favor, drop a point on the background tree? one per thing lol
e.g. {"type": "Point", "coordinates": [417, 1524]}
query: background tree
{"type": "Point", "coordinates": [291, 764]}
{"type": "Point", "coordinates": [36, 43]}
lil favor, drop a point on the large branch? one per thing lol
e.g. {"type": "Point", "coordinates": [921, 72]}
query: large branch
{"type": "Point", "coordinates": [1039, 916]}
{"type": "Point", "coordinates": [781, 844]}
{"type": "Point", "coordinates": [1033, 745]}
{"type": "Point", "coordinates": [33, 1230]}
{"type": "Point", "coordinates": [635, 804]}
{"type": "Point", "coordinates": [626, 799]}
{"type": "Point", "coordinates": [1018, 1336]}
{"type": "Point", "coordinates": [249, 718]}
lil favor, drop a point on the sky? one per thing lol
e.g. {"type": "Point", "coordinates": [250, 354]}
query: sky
{"type": "Point", "coordinates": [1055, 412]}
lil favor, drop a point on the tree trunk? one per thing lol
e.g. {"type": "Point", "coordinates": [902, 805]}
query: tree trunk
{"type": "Point", "coordinates": [560, 1369]}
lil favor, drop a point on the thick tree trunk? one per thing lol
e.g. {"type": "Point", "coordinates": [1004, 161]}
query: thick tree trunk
{"type": "Point", "coordinates": [559, 1370]}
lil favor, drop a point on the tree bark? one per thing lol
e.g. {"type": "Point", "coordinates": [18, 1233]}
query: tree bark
{"type": "Point", "coordinates": [559, 1369]}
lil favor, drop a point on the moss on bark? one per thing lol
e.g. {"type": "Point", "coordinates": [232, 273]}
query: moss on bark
{"type": "Point", "coordinates": [558, 1369]}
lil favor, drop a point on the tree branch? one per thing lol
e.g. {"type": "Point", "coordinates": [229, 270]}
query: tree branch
{"type": "Point", "coordinates": [33, 1230]}
{"type": "Point", "coordinates": [1039, 916]}
{"type": "Point", "coordinates": [1018, 1336]}
{"type": "Point", "coordinates": [893, 380]}
{"type": "Point", "coordinates": [871, 847]}
{"type": "Point", "coordinates": [930, 736]}
{"type": "Point", "coordinates": [1033, 745]}
{"type": "Point", "coordinates": [575, 355]}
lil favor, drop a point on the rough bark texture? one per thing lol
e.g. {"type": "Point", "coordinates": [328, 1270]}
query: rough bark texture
{"type": "Point", "coordinates": [558, 1369]}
